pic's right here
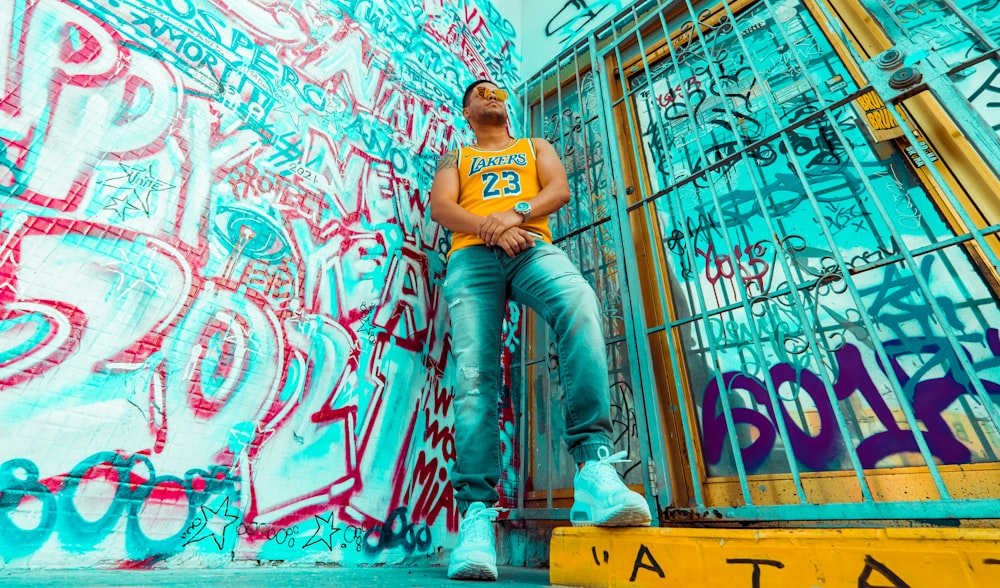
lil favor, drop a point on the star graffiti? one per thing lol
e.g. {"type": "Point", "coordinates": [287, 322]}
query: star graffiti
{"type": "Point", "coordinates": [368, 323]}
{"type": "Point", "coordinates": [216, 521]}
{"type": "Point", "coordinates": [323, 533]}
{"type": "Point", "coordinates": [133, 190]}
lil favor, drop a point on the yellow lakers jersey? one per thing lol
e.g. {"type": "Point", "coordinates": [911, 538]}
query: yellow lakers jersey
{"type": "Point", "coordinates": [494, 181]}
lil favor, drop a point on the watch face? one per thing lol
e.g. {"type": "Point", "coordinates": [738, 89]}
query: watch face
{"type": "Point", "coordinates": [522, 207]}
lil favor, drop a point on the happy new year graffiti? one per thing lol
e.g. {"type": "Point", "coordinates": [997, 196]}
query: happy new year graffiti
{"type": "Point", "coordinates": [215, 248]}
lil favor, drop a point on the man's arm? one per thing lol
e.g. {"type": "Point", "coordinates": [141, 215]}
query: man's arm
{"type": "Point", "coordinates": [444, 198]}
{"type": "Point", "coordinates": [553, 195]}
{"type": "Point", "coordinates": [552, 175]}
{"type": "Point", "coordinates": [446, 211]}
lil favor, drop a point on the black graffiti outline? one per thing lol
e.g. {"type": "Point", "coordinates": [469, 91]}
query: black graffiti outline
{"type": "Point", "coordinates": [873, 565]}
{"type": "Point", "coordinates": [626, 418]}
{"type": "Point", "coordinates": [640, 563]}
{"type": "Point", "coordinates": [206, 532]}
{"type": "Point", "coordinates": [593, 551]}
{"type": "Point", "coordinates": [405, 536]}
{"type": "Point", "coordinates": [987, 86]}
{"type": "Point", "coordinates": [580, 6]}
{"type": "Point", "coordinates": [756, 563]}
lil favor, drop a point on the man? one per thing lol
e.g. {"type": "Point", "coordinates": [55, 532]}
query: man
{"type": "Point", "coordinates": [495, 196]}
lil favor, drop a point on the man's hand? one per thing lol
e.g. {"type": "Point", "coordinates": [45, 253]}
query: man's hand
{"type": "Point", "coordinates": [496, 224]}
{"type": "Point", "coordinates": [516, 240]}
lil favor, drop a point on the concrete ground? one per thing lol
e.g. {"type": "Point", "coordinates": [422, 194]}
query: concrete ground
{"type": "Point", "coordinates": [271, 577]}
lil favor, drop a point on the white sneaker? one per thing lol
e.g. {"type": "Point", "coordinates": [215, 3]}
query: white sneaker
{"type": "Point", "coordinates": [601, 498]}
{"type": "Point", "coordinates": [475, 558]}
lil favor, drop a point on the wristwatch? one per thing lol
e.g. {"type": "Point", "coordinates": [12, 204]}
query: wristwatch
{"type": "Point", "coordinates": [523, 208]}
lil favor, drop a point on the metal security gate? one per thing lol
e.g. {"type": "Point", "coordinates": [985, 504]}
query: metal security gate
{"type": "Point", "coordinates": [567, 110]}
{"type": "Point", "coordinates": [790, 209]}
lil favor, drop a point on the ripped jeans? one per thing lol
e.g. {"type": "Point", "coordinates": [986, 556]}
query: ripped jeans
{"type": "Point", "coordinates": [480, 280]}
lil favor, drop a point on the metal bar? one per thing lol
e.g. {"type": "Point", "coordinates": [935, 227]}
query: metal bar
{"type": "Point", "coordinates": [930, 509]}
{"type": "Point", "coordinates": [925, 289]}
{"type": "Point", "coordinates": [625, 226]}
{"type": "Point", "coordinates": [539, 514]}
{"type": "Point", "coordinates": [800, 310]}
{"type": "Point", "coordinates": [689, 434]}
{"type": "Point", "coordinates": [911, 420]}
{"type": "Point", "coordinates": [638, 331]}
{"type": "Point", "coordinates": [638, 22]}
{"type": "Point", "coordinates": [961, 16]}
{"type": "Point", "coordinates": [743, 302]}
{"type": "Point", "coordinates": [560, 137]}
{"type": "Point", "coordinates": [660, 260]}
{"type": "Point", "coordinates": [971, 24]}
{"type": "Point", "coordinates": [776, 407]}
{"type": "Point", "coordinates": [547, 380]}
{"type": "Point", "coordinates": [632, 302]}
{"type": "Point", "coordinates": [581, 230]}
{"type": "Point", "coordinates": [635, 292]}
{"type": "Point", "coordinates": [904, 403]}
{"type": "Point", "coordinates": [793, 159]}
{"type": "Point", "coordinates": [978, 428]}
{"type": "Point", "coordinates": [751, 147]}
{"type": "Point", "coordinates": [992, 54]}
{"type": "Point", "coordinates": [524, 438]}
{"type": "Point", "coordinates": [969, 122]}
{"type": "Point", "coordinates": [977, 235]}
{"type": "Point", "coordinates": [523, 435]}
{"type": "Point", "coordinates": [584, 142]}
{"type": "Point", "coordinates": [853, 271]}
{"type": "Point", "coordinates": [852, 511]}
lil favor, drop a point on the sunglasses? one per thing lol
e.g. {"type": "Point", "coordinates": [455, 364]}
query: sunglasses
{"type": "Point", "coordinates": [484, 92]}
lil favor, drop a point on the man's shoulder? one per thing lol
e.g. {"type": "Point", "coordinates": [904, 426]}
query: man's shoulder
{"type": "Point", "coordinates": [448, 160]}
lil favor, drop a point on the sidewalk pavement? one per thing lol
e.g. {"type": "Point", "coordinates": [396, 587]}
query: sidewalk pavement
{"type": "Point", "coordinates": [272, 577]}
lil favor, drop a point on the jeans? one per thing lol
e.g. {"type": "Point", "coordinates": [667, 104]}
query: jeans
{"type": "Point", "coordinates": [479, 282]}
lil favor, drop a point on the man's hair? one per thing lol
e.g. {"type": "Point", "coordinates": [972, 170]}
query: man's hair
{"type": "Point", "coordinates": [469, 89]}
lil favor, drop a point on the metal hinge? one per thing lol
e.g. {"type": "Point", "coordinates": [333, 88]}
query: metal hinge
{"type": "Point", "coordinates": [653, 484]}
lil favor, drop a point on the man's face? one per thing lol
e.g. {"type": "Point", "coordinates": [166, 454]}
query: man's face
{"type": "Point", "coordinates": [487, 105]}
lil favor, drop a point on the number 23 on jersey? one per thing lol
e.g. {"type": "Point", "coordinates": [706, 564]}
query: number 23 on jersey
{"type": "Point", "coordinates": [505, 183]}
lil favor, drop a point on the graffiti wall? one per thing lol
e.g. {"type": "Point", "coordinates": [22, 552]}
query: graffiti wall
{"type": "Point", "coordinates": [221, 333]}
{"type": "Point", "coordinates": [556, 25]}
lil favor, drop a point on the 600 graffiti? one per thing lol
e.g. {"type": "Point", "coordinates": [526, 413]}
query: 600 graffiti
{"type": "Point", "coordinates": [19, 482]}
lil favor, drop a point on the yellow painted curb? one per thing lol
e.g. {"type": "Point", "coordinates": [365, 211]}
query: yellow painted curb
{"type": "Point", "coordinates": [780, 558]}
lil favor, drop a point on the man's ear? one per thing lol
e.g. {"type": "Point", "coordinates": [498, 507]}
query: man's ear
{"type": "Point", "coordinates": [465, 113]}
